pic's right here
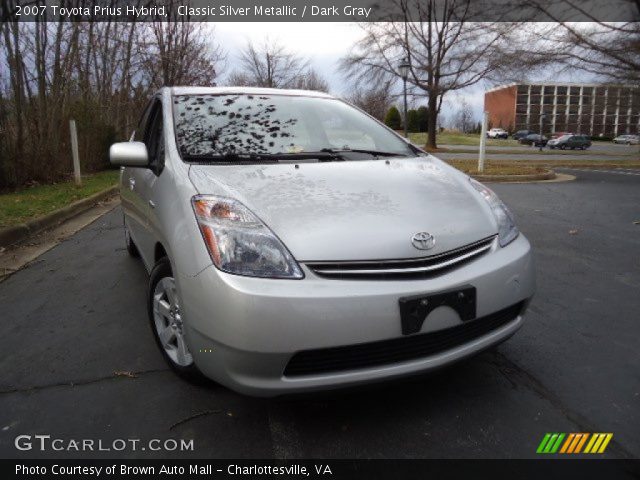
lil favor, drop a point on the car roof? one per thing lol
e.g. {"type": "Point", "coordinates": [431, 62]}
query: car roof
{"type": "Point", "coordinates": [185, 90]}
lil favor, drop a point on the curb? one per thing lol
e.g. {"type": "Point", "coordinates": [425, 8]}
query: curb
{"type": "Point", "coordinates": [537, 177]}
{"type": "Point", "coordinates": [17, 233]}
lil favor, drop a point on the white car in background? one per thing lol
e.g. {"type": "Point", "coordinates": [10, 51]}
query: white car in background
{"type": "Point", "coordinates": [497, 133]}
{"type": "Point", "coordinates": [627, 139]}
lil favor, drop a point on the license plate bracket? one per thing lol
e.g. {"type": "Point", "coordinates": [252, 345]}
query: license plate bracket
{"type": "Point", "coordinates": [414, 309]}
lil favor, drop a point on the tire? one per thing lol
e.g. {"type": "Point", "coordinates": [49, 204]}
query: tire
{"type": "Point", "coordinates": [563, 147]}
{"type": "Point", "coordinates": [132, 250]}
{"type": "Point", "coordinates": [163, 306]}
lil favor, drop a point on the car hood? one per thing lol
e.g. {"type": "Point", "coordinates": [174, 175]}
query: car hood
{"type": "Point", "coordinates": [356, 210]}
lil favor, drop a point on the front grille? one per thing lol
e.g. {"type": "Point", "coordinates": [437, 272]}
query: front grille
{"type": "Point", "coordinates": [412, 268]}
{"type": "Point", "coordinates": [397, 350]}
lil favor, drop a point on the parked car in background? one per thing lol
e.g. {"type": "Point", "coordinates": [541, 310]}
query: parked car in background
{"type": "Point", "coordinates": [534, 139]}
{"type": "Point", "coordinates": [270, 288]}
{"type": "Point", "coordinates": [497, 133]}
{"type": "Point", "coordinates": [627, 139]}
{"type": "Point", "coordinates": [522, 133]}
{"type": "Point", "coordinates": [580, 142]}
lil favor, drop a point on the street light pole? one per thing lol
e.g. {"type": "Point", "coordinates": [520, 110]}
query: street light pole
{"type": "Point", "coordinates": [404, 89]}
{"type": "Point", "coordinates": [483, 141]}
{"type": "Point", "coordinates": [541, 118]}
{"type": "Point", "coordinates": [403, 68]}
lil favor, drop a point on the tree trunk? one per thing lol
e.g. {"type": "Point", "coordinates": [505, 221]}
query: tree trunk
{"type": "Point", "coordinates": [432, 125]}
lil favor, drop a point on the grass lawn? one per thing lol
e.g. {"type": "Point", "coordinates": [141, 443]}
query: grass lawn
{"type": "Point", "coordinates": [461, 139]}
{"type": "Point", "coordinates": [523, 167]}
{"type": "Point", "coordinates": [495, 168]}
{"type": "Point", "coordinates": [17, 207]}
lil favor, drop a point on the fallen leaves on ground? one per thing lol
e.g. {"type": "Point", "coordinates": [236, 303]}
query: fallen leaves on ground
{"type": "Point", "coordinates": [124, 373]}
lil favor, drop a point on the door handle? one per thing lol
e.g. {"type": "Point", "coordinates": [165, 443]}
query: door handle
{"type": "Point", "coordinates": [151, 204]}
{"type": "Point", "coordinates": [132, 183]}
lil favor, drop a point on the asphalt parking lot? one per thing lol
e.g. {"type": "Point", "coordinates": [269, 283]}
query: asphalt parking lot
{"type": "Point", "coordinates": [77, 315]}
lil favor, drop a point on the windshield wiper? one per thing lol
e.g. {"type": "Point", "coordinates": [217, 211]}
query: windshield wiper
{"type": "Point", "coordinates": [375, 153]}
{"type": "Point", "coordinates": [258, 157]}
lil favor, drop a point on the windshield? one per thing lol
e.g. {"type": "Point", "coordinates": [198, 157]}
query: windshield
{"type": "Point", "coordinates": [565, 137]}
{"type": "Point", "coordinates": [247, 124]}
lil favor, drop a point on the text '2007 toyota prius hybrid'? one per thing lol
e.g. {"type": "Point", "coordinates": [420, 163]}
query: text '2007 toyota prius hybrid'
{"type": "Point", "coordinates": [294, 243]}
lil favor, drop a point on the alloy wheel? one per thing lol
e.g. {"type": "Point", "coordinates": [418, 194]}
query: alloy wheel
{"type": "Point", "coordinates": [168, 322]}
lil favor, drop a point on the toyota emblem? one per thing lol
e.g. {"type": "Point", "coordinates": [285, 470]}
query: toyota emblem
{"type": "Point", "coordinates": [423, 241]}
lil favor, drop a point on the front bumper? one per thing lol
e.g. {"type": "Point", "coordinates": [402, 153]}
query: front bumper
{"type": "Point", "coordinates": [243, 331]}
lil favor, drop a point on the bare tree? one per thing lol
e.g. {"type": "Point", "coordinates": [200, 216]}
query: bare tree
{"type": "Point", "coordinates": [99, 73]}
{"type": "Point", "coordinates": [311, 80]}
{"type": "Point", "coordinates": [463, 118]}
{"type": "Point", "coordinates": [607, 50]}
{"type": "Point", "coordinates": [446, 50]}
{"type": "Point", "coordinates": [181, 53]}
{"type": "Point", "coordinates": [375, 100]}
{"type": "Point", "coordinates": [269, 65]}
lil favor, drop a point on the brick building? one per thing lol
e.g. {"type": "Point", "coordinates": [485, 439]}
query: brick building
{"type": "Point", "coordinates": [591, 109]}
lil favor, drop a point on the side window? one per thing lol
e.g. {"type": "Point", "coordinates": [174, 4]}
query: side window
{"type": "Point", "coordinates": [154, 139]}
{"type": "Point", "coordinates": [142, 123]}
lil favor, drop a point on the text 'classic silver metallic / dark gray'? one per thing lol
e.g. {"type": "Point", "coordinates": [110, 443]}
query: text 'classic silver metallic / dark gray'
{"type": "Point", "coordinates": [295, 244]}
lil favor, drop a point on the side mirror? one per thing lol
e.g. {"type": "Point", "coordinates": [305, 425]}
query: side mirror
{"type": "Point", "coordinates": [129, 154]}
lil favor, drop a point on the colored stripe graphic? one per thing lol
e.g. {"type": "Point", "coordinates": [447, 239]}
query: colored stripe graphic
{"type": "Point", "coordinates": [605, 442]}
{"type": "Point", "coordinates": [567, 442]}
{"type": "Point", "coordinates": [581, 442]}
{"type": "Point", "coordinates": [598, 443]}
{"type": "Point", "coordinates": [550, 443]}
{"type": "Point", "coordinates": [591, 442]}
{"type": "Point", "coordinates": [556, 443]}
{"type": "Point", "coordinates": [543, 443]}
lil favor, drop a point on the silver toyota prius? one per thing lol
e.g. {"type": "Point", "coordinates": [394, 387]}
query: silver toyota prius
{"type": "Point", "coordinates": [295, 244]}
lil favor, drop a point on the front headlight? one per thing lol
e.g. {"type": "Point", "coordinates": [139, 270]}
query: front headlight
{"type": "Point", "coordinates": [239, 242]}
{"type": "Point", "coordinates": [507, 230]}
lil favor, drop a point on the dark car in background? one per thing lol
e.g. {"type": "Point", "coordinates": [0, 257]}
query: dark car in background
{"type": "Point", "coordinates": [534, 139]}
{"type": "Point", "coordinates": [580, 142]}
{"type": "Point", "coordinates": [522, 133]}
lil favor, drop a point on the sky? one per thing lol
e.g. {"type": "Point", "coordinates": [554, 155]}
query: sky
{"type": "Point", "coordinates": [324, 44]}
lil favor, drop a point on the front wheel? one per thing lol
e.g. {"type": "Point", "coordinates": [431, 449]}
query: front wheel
{"type": "Point", "coordinates": [167, 322]}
